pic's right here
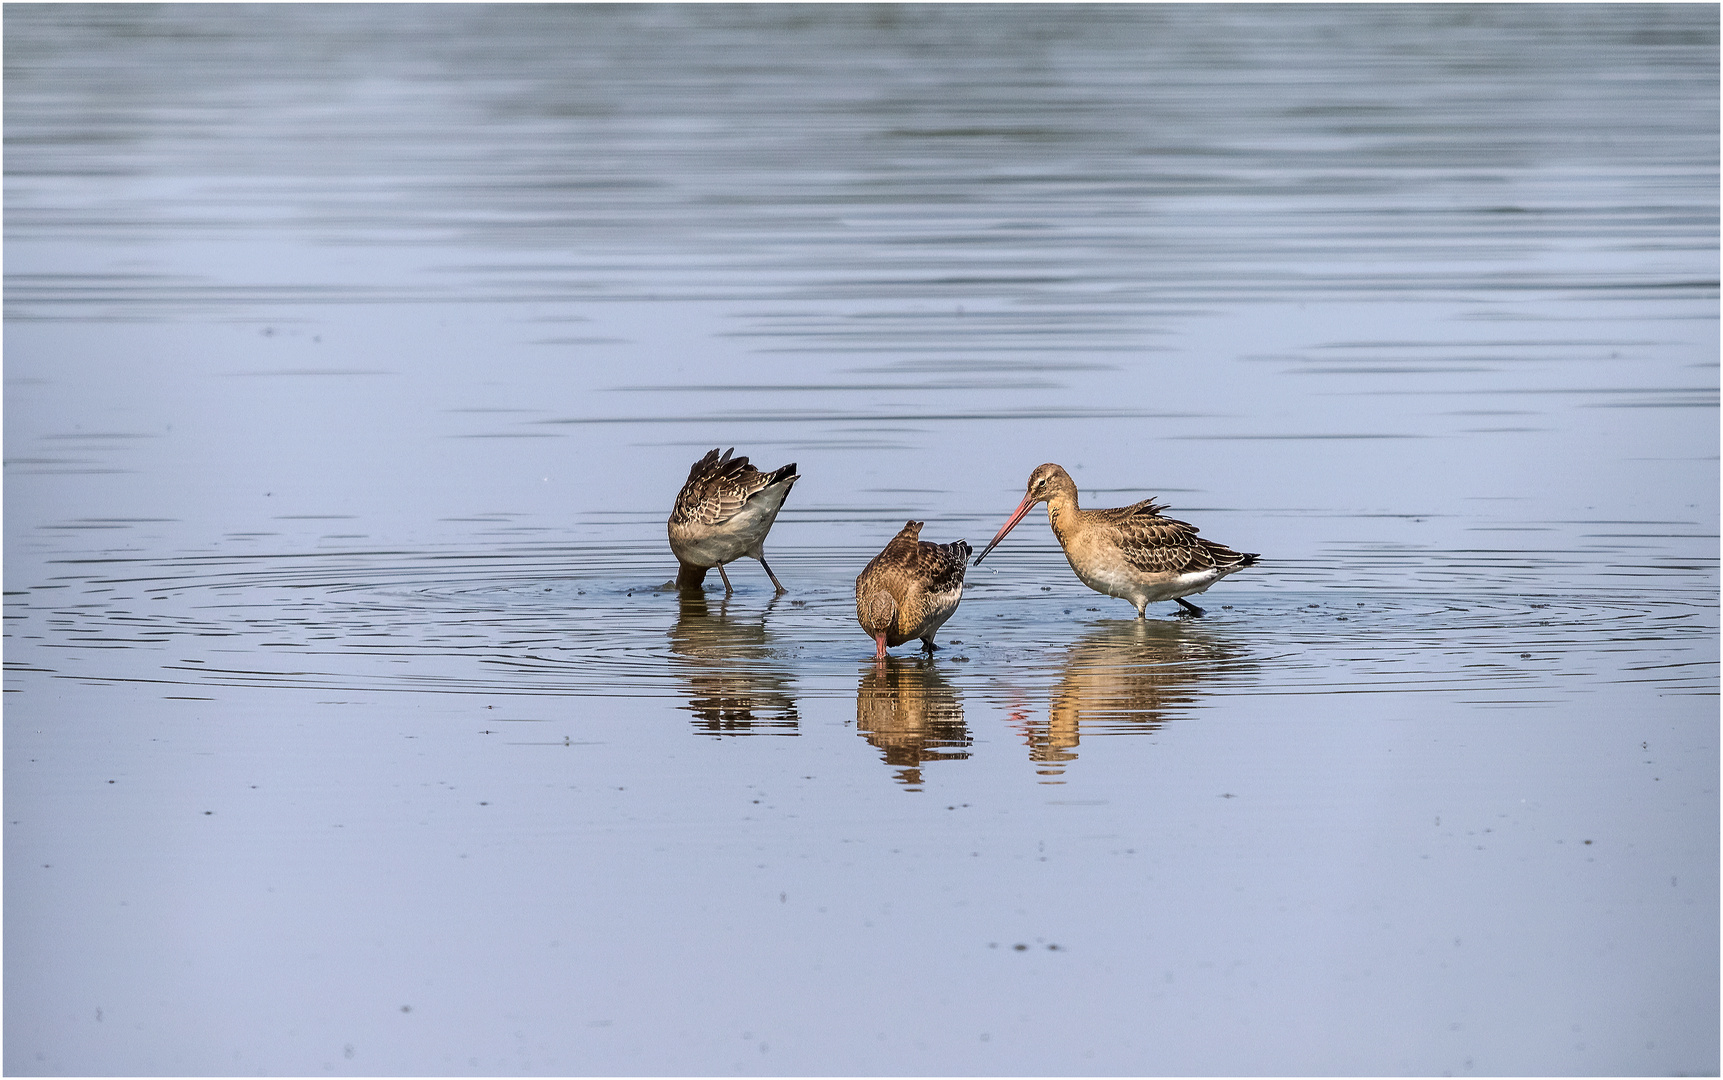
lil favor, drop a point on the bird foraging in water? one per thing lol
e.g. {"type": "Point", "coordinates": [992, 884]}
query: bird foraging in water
{"type": "Point", "coordinates": [910, 589]}
{"type": "Point", "coordinates": [723, 512]}
{"type": "Point", "coordinates": [1130, 552]}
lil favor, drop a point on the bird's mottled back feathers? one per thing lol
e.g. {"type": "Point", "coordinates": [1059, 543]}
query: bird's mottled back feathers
{"type": "Point", "coordinates": [1154, 544]}
{"type": "Point", "coordinates": [719, 486]}
{"type": "Point", "coordinates": [938, 567]}
{"type": "Point", "coordinates": [1148, 509]}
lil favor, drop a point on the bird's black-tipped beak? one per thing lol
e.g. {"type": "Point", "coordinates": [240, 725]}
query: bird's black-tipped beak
{"type": "Point", "coordinates": [1028, 504]}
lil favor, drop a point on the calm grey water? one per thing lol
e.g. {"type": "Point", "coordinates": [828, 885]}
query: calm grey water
{"type": "Point", "coordinates": [355, 355]}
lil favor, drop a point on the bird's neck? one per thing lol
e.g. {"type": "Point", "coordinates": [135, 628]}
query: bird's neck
{"type": "Point", "coordinates": [1062, 512]}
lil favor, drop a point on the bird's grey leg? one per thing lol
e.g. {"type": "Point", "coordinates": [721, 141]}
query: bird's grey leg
{"type": "Point", "coordinates": [726, 577]}
{"type": "Point", "coordinates": [774, 577]}
{"type": "Point", "coordinates": [928, 645]}
{"type": "Point", "coordinates": [1190, 608]}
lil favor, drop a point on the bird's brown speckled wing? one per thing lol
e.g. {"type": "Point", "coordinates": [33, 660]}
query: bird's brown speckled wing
{"type": "Point", "coordinates": [914, 564]}
{"type": "Point", "coordinates": [941, 565]}
{"type": "Point", "coordinates": [718, 486]}
{"type": "Point", "coordinates": [1153, 544]}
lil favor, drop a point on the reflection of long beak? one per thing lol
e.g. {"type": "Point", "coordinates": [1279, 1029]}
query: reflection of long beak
{"type": "Point", "coordinates": [1028, 505]}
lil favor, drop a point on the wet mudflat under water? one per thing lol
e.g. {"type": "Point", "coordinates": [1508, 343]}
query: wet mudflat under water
{"type": "Point", "coordinates": [355, 355]}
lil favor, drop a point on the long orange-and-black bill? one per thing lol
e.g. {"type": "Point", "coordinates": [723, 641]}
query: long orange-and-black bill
{"type": "Point", "coordinates": [1028, 504]}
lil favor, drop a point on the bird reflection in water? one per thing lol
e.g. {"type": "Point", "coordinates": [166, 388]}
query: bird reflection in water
{"type": "Point", "coordinates": [907, 709]}
{"type": "Point", "coordinates": [1124, 677]}
{"type": "Point", "coordinates": [736, 685]}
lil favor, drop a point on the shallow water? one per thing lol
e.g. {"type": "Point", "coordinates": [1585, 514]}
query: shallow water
{"type": "Point", "coordinates": [355, 355]}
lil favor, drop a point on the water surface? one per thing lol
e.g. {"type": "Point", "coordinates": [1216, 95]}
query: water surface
{"type": "Point", "coordinates": [355, 355]}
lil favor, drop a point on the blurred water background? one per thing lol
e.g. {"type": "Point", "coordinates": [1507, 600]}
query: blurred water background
{"type": "Point", "coordinates": [355, 354]}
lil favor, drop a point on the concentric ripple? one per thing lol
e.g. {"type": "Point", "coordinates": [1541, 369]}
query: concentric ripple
{"type": "Point", "coordinates": [599, 620]}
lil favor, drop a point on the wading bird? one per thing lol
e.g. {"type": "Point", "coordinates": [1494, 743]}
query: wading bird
{"type": "Point", "coordinates": [910, 589]}
{"type": "Point", "coordinates": [1132, 551]}
{"type": "Point", "coordinates": [723, 512]}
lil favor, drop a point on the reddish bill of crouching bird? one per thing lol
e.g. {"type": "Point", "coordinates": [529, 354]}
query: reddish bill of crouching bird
{"type": "Point", "coordinates": [910, 589]}
{"type": "Point", "coordinates": [723, 512]}
{"type": "Point", "coordinates": [1130, 552]}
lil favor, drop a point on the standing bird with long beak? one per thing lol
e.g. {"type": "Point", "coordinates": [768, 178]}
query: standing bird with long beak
{"type": "Point", "coordinates": [723, 512]}
{"type": "Point", "coordinates": [910, 589]}
{"type": "Point", "coordinates": [1130, 552]}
